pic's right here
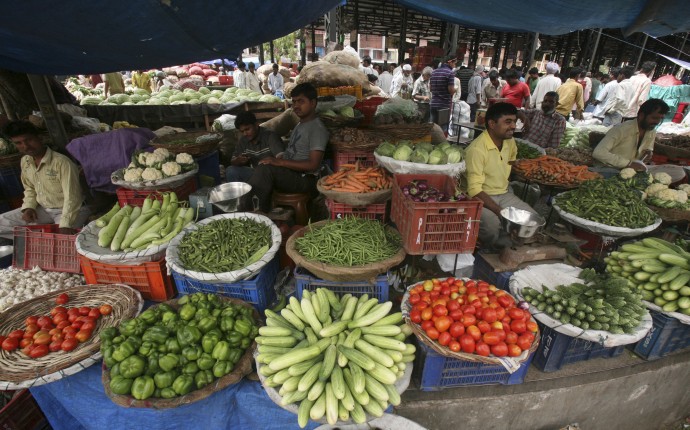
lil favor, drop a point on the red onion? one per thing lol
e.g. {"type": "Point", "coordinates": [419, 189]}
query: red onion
{"type": "Point", "coordinates": [523, 305]}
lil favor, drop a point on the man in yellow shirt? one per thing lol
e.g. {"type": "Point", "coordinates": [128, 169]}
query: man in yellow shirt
{"type": "Point", "coordinates": [114, 84]}
{"type": "Point", "coordinates": [489, 159]}
{"type": "Point", "coordinates": [52, 193]}
{"type": "Point", "coordinates": [631, 143]}
{"type": "Point", "coordinates": [141, 79]}
{"type": "Point", "coordinates": [569, 94]}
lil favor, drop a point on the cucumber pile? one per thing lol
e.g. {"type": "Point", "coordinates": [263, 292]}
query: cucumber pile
{"type": "Point", "coordinates": [659, 269]}
{"type": "Point", "coordinates": [338, 357]}
{"type": "Point", "coordinates": [601, 302]}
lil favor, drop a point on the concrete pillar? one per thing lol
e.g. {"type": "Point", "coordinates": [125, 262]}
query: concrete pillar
{"type": "Point", "coordinates": [46, 102]}
{"type": "Point", "coordinates": [497, 49]}
{"type": "Point", "coordinates": [639, 57]}
{"type": "Point", "coordinates": [509, 40]}
{"type": "Point", "coordinates": [403, 36]}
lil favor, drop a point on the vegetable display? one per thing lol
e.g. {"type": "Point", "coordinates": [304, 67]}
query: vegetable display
{"type": "Point", "coordinates": [159, 164]}
{"type": "Point", "coordinates": [622, 206]}
{"type": "Point", "coordinates": [7, 147]}
{"type": "Point", "coordinates": [225, 245]}
{"type": "Point", "coordinates": [552, 170]}
{"type": "Point", "coordinates": [338, 357]}
{"type": "Point", "coordinates": [600, 302]}
{"type": "Point", "coordinates": [420, 191]}
{"type": "Point", "coordinates": [636, 180]}
{"type": "Point", "coordinates": [349, 241]}
{"type": "Point", "coordinates": [63, 330]}
{"type": "Point", "coordinates": [471, 316]}
{"type": "Point", "coordinates": [353, 179]}
{"type": "Point", "coordinates": [661, 195]}
{"type": "Point", "coordinates": [525, 151]}
{"type": "Point", "coordinates": [579, 156]}
{"type": "Point", "coordinates": [17, 286]}
{"type": "Point", "coordinates": [170, 96]}
{"type": "Point", "coordinates": [658, 269]}
{"type": "Point", "coordinates": [423, 152]}
{"type": "Point", "coordinates": [166, 353]}
{"type": "Point", "coordinates": [136, 228]}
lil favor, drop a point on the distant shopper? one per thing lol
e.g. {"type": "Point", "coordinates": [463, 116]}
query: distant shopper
{"type": "Point", "coordinates": [442, 85]}
{"type": "Point", "coordinates": [114, 84]}
{"type": "Point", "coordinates": [366, 66]}
{"type": "Point", "coordinates": [516, 92]}
{"type": "Point", "coordinates": [252, 80]}
{"type": "Point", "coordinates": [547, 83]}
{"type": "Point", "coordinates": [276, 82]}
{"type": "Point", "coordinates": [402, 83]}
{"type": "Point", "coordinates": [385, 80]}
{"type": "Point", "coordinates": [605, 103]}
{"type": "Point", "coordinates": [532, 79]}
{"type": "Point", "coordinates": [625, 94]}
{"type": "Point", "coordinates": [641, 84]}
{"type": "Point", "coordinates": [492, 88]}
{"type": "Point", "coordinates": [239, 77]}
{"type": "Point", "coordinates": [571, 93]}
{"type": "Point", "coordinates": [255, 144]}
{"type": "Point", "coordinates": [474, 90]}
{"type": "Point", "coordinates": [421, 93]}
{"type": "Point", "coordinates": [544, 127]}
{"type": "Point", "coordinates": [141, 79]}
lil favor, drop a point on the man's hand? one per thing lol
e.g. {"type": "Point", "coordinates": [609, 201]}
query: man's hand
{"type": "Point", "coordinates": [65, 230]}
{"type": "Point", "coordinates": [241, 160]}
{"type": "Point", "coordinates": [29, 215]}
{"type": "Point", "coordinates": [646, 156]}
{"type": "Point", "coordinates": [271, 161]}
{"type": "Point", "coordinates": [638, 166]}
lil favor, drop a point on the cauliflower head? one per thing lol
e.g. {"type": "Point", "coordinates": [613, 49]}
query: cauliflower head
{"type": "Point", "coordinates": [171, 168]}
{"type": "Point", "coordinates": [133, 174]}
{"type": "Point", "coordinates": [154, 159]}
{"type": "Point", "coordinates": [142, 157]}
{"type": "Point", "coordinates": [667, 194]}
{"type": "Point", "coordinates": [162, 152]}
{"type": "Point", "coordinates": [184, 158]}
{"type": "Point", "coordinates": [681, 196]}
{"type": "Point", "coordinates": [151, 174]}
{"type": "Point", "coordinates": [685, 188]}
{"type": "Point", "coordinates": [655, 189]}
{"type": "Point", "coordinates": [627, 173]}
{"type": "Point", "coordinates": [662, 178]}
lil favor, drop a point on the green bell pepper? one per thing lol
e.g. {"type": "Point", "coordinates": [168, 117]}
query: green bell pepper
{"type": "Point", "coordinates": [164, 308]}
{"type": "Point", "coordinates": [183, 361]}
{"type": "Point", "coordinates": [206, 362]}
{"type": "Point", "coordinates": [183, 384]}
{"type": "Point", "coordinates": [183, 300]}
{"type": "Point", "coordinates": [235, 355]}
{"type": "Point", "coordinates": [132, 327]}
{"type": "Point", "coordinates": [216, 313]}
{"type": "Point", "coordinates": [207, 323]}
{"type": "Point", "coordinates": [221, 351]}
{"type": "Point", "coordinates": [245, 342]}
{"type": "Point", "coordinates": [165, 379]}
{"type": "Point", "coordinates": [254, 333]}
{"type": "Point", "coordinates": [222, 368]}
{"type": "Point", "coordinates": [192, 323]}
{"type": "Point", "coordinates": [124, 350]}
{"type": "Point", "coordinates": [146, 348]}
{"type": "Point", "coordinates": [108, 356]}
{"type": "Point", "coordinates": [143, 387]}
{"type": "Point", "coordinates": [134, 340]}
{"type": "Point", "coordinates": [153, 366]}
{"type": "Point", "coordinates": [118, 340]}
{"type": "Point", "coordinates": [156, 334]}
{"type": "Point", "coordinates": [209, 341]}
{"type": "Point", "coordinates": [121, 385]}
{"type": "Point", "coordinates": [168, 362]}
{"type": "Point", "coordinates": [132, 366]}
{"type": "Point", "coordinates": [157, 392]}
{"type": "Point", "coordinates": [108, 334]}
{"type": "Point", "coordinates": [168, 393]}
{"type": "Point", "coordinates": [188, 336]}
{"type": "Point", "coordinates": [187, 312]}
{"type": "Point", "coordinates": [148, 316]}
{"type": "Point", "coordinates": [201, 313]}
{"type": "Point", "coordinates": [169, 317]}
{"type": "Point", "coordinates": [234, 338]}
{"type": "Point", "coordinates": [202, 378]}
{"type": "Point", "coordinates": [173, 345]}
{"type": "Point", "coordinates": [227, 324]}
{"type": "Point", "coordinates": [162, 349]}
{"type": "Point", "coordinates": [229, 312]}
{"type": "Point", "coordinates": [213, 299]}
{"type": "Point", "coordinates": [192, 352]}
{"type": "Point", "coordinates": [190, 368]}
{"type": "Point", "coordinates": [243, 326]}
{"type": "Point", "coordinates": [115, 370]}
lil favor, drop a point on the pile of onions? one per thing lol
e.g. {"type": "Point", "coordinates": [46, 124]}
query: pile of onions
{"type": "Point", "coordinates": [420, 191]}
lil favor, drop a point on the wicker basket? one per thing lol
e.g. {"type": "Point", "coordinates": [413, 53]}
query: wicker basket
{"type": "Point", "coordinates": [11, 160]}
{"type": "Point", "coordinates": [671, 151]}
{"type": "Point", "coordinates": [341, 121]}
{"type": "Point", "coordinates": [242, 368]}
{"type": "Point", "coordinates": [186, 142]}
{"type": "Point", "coordinates": [357, 139]}
{"type": "Point", "coordinates": [334, 273]}
{"type": "Point", "coordinates": [671, 215]}
{"type": "Point", "coordinates": [355, 199]}
{"type": "Point", "coordinates": [18, 371]}
{"type": "Point", "coordinates": [406, 131]}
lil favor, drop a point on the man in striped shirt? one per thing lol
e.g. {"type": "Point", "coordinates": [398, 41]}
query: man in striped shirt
{"type": "Point", "coordinates": [442, 86]}
{"type": "Point", "coordinates": [255, 144]}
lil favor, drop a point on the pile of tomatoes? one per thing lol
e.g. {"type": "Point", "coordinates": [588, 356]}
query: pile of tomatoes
{"type": "Point", "coordinates": [62, 330]}
{"type": "Point", "coordinates": [471, 316]}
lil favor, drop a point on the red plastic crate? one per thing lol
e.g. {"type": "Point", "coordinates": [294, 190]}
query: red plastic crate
{"type": "Point", "coordinates": [42, 246]}
{"type": "Point", "coordinates": [368, 108]}
{"type": "Point", "coordinates": [226, 80]}
{"type": "Point", "coordinates": [150, 279]}
{"type": "Point", "coordinates": [136, 197]}
{"type": "Point", "coordinates": [365, 159]}
{"type": "Point", "coordinates": [439, 227]}
{"type": "Point", "coordinates": [22, 412]}
{"type": "Point", "coordinates": [376, 211]}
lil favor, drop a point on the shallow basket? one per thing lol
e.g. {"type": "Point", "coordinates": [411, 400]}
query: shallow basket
{"type": "Point", "coordinates": [11, 160]}
{"type": "Point", "coordinates": [406, 131]}
{"type": "Point", "coordinates": [242, 368]}
{"type": "Point", "coordinates": [191, 148]}
{"type": "Point", "coordinates": [671, 215]}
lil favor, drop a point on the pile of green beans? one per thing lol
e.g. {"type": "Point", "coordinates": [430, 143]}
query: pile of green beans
{"type": "Point", "coordinates": [607, 202]}
{"type": "Point", "coordinates": [349, 242]}
{"type": "Point", "coordinates": [225, 245]}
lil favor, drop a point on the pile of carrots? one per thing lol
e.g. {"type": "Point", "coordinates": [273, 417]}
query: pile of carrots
{"type": "Point", "coordinates": [553, 170]}
{"type": "Point", "coordinates": [351, 178]}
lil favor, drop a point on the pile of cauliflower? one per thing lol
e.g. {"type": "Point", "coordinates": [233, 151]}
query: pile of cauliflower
{"type": "Point", "coordinates": [18, 286]}
{"type": "Point", "coordinates": [659, 194]}
{"type": "Point", "coordinates": [159, 164]}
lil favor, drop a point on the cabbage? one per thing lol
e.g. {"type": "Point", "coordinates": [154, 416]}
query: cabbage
{"type": "Point", "coordinates": [204, 90]}
{"type": "Point", "coordinates": [329, 112]}
{"type": "Point", "coordinates": [348, 112]}
{"type": "Point", "coordinates": [443, 146]}
{"type": "Point", "coordinates": [419, 156]}
{"type": "Point", "coordinates": [455, 155]}
{"type": "Point", "coordinates": [426, 146]}
{"type": "Point", "coordinates": [140, 92]}
{"type": "Point", "coordinates": [437, 156]}
{"type": "Point", "coordinates": [402, 153]}
{"type": "Point", "coordinates": [406, 143]}
{"type": "Point", "coordinates": [213, 101]}
{"type": "Point", "coordinates": [386, 149]}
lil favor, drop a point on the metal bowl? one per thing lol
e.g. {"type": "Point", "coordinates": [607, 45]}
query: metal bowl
{"type": "Point", "coordinates": [521, 223]}
{"type": "Point", "coordinates": [226, 197]}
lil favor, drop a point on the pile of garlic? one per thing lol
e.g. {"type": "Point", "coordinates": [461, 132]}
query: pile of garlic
{"type": "Point", "coordinates": [17, 286]}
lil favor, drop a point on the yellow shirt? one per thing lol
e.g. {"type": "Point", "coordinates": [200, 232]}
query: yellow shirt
{"type": "Point", "coordinates": [115, 83]}
{"type": "Point", "coordinates": [619, 147]}
{"type": "Point", "coordinates": [142, 80]}
{"type": "Point", "coordinates": [53, 184]}
{"type": "Point", "coordinates": [487, 167]}
{"type": "Point", "coordinates": [571, 92]}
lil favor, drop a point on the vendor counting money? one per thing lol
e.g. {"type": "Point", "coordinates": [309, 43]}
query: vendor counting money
{"type": "Point", "coordinates": [489, 159]}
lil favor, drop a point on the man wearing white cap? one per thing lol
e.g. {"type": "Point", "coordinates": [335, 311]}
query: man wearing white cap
{"type": "Point", "coordinates": [402, 83]}
{"type": "Point", "coordinates": [546, 84]}
{"type": "Point", "coordinates": [474, 90]}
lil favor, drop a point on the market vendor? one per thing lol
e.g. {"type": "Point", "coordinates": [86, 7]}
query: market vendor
{"type": "Point", "coordinates": [52, 193]}
{"type": "Point", "coordinates": [299, 168]}
{"type": "Point", "coordinates": [489, 159]}
{"type": "Point", "coordinates": [141, 79]}
{"type": "Point", "coordinates": [255, 144]}
{"type": "Point", "coordinates": [631, 143]}
{"type": "Point", "coordinates": [543, 127]}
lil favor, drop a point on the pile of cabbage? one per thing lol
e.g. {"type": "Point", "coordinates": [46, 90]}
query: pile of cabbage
{"type": "Point", "coordinates": [422, 153]}
{"type": "Point", "coordinates": [170, 96]}
{"type": "Point", "coordinates": [159, 164]}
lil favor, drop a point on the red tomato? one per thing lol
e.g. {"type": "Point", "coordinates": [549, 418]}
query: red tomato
{"type": "Point", "coordinates": [2, 339]}
{"type": "Point", "coordinates": [416, 316]}
{"type": "Point", "coordinates": [500, 349]}
{"type": "Point", "coordinates": [105, 309]}
{"type": "Point", "coordinates": [489, 315]}
{"type": "Point", "coordinates": [479, 313]}
{"type": "Point", "coordinates": [427, 313]}
{"type": "Point", "coordinates": [29, 334]}
{"type": "Point", "coordinates": [432, 333]}
{"type": "Point", "coordinates": [445, 290]}
{"type": "Point", "coordinates": [422, 305]}
{"type": "Point", "coordinates": [39, 351]}
{"type": "Point", "coordinates": [94, 313]}
{"type": "Point", "coordinates": [500, 313]}
{"type": "Point", "coordinates": [77, 324]}
{"type": "Point", "coordinates": [17, 334]}
{"type": "Point", "coordinates": [471, 284]}
{"type": "Point", "coordinates": [501, 333]}
{"type": "Point", "coordinates": [515, 313]}
{"type": "Point", "coordinates": [467, 343]}
{"type": "Point", "coordinates": [62, 299]}
{"type": "Point", "coordinates": [84, 310]}
{"type": "Point", "coordinates": [444, 338]}
{"type": "Point", "coordinates": [88, 326]}
{"type": "Point", "coordinates": [514, 351]}
{"type": "Point", "coordinates": [10, 344]}
{"type": "Point", "coordinates": [42, 338]}
{"type": "Point", "coordinates": [55, 346]}
{"type": "Point", "coordinates": [58, 310]}
{"type": "Point", "coordinates": [453, 305]}
{"type": "Point", "coordinates": [73, 311]}
{"type": "Point", "coordinates": [83, 335]}
{"type": "Point", "coordinates": [31, 320]}
{"type": "Point", "coordinates": [414, 299]}
{"type": "Point", "coordinates": [454, 346]}
{"type": "Point", "coordinates": [57, 337]}
{"type": "Point", "coordinates": [505, 301]}
{"type": "Point", "coordinates": [69, 344]}
{"type": "Point", "coordinates": [491, 338]}
{"type": "Point", "coordinates": [483, 349]}
{"type": "Point", "coordinates": [524, 341]}
{"type": "Point", "coordinates": [62, 324]}
{"type": "Point", "coordinates": [531, 326]}
{"type": "Point", "coordinates": [511, 338]}
{"type": "Point", "coordinates": [44, 321]}
{"type": "Point", "coordinates": [69, 335]}
{"type": "Point", "coordinates": [25, 342]}
{"type": "Point", "coordinates": [443, 323]}
{"type": "Point", "coordinates": [484, 326]}
{"type": "Point", "coordinates": [426, 324]}
{"type": "Point", "coordinates": [518, 327]}
{"type": "Point", "coordinates": [468, 320]}
{"type": "Point", "coordinates": [474, 332]}
{"type": "Point", "coordinates": [468, 309]}
{"type": "Point", "coordinates": [456, 315]}
{"type": "Point", "coordinates": [72, 317]}
{"type": "Point", "coordinates": [27, 349]}
{"type": "Point", "coordinates": [456, 329]}
{"type": "Point", "coordinates": [440, 310]}
{"type": "Point", "coordinates": [69, 329]}
{"type": "Point", "coordinates": [60, 317]}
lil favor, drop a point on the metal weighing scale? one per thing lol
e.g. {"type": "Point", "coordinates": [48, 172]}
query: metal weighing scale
{"type": "Point", "coordinates": [224, 198]}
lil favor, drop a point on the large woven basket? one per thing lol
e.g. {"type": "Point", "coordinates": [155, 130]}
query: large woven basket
{"type": "Point", "coordinates": [357, 139]}
{"type": "Point", "coordinates": [242, 368]}
{"type": "Point", "coordinates": [19, 371]}
{"type": "Point", "coordinates": [671, 215]}
{"type": "Point", "coordinates": [330, 272]}
{"type": "Point", "coordinates": [187, 142]}
{"type": "Point", "coordinates": [355, 199]}
{"type": "Point", "coordinates": [11, 160]}
{"type": "Point", "coordinates": [406, 131]}
{"type": "Point", "coordinates": [671, 151]}
{"type": "Point", "coordinates": [340, 121]}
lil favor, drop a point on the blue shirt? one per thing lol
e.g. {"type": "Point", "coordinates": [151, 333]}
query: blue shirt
{"type": "Point", "coordinates": [441, 78]}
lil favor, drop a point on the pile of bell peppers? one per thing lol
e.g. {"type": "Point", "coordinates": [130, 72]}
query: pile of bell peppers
{"type": "Point", "coordinates": [166, 353]}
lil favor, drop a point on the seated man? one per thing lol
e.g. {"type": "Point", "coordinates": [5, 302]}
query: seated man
{"type": "Point", "coordinates": [488, 160]}
{"type": "Point", "coordinates": [299, 168]}
{"type": "Point", "coordinates": [544, 126]}
{"type": "Point", "coordinates": [52, 193]}
{"type": "Point", "coordinates": [255, 144]}
{"type": "Point", "coordinates": [631, 143]}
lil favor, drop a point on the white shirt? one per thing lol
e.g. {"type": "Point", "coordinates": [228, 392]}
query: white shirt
{"type": "Point", "coordinates": [368, 70]}
{"type": "Point", "coordinates": [239, 79]}
{"type": "Point", "coordinates": [398, 82]}
{"type": "Point", "coordinates": [474, 87]}
{"type": "Point", "coordinates": [624, 97]}
{"type": "Point", "coordinates": [458, 89]}
{"type": "Point", "coordinates": [275, 82]}
{"type": "Point", "coordinates": [397, 71]}
{"type": "Point", "coordinates": [605, 97]}
{"type": "Point", "coordinates": [641, 85]}
{"type": "Point", "coordinates": [544, 85]}
{"type": "Point", "coordinates": [252, 82]}
{"type": "Point", "coordinates": [385, 81]}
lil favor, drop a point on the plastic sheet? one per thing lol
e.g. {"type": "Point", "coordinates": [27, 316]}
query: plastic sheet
{"type": "Point", "coordinates": [87, 245]}
{"type": "Point", "coordinates": [174, 181]}
{"type": "Point", "coordinates": [604, 229]}
{"type": "Point", "coordinates": [405, 167]}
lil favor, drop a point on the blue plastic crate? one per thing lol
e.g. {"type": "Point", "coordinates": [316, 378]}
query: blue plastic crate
{"type": "Point", "coordinates": [10, 182]}
{"type": "Point", "coordinates": [484, 271]}
{"type": "Point", "coordinates": [666, 336]}
{"type": "Point", "coordinates": [305, 280]}
{"type": "Point", "coordinates": [558, 349]}
{"type": "Point", "coordinates": [433, 372]}
{"type": "Point", "coordinates": [257, 291]}
{"type": "Point", "coordinates": [209, 166]}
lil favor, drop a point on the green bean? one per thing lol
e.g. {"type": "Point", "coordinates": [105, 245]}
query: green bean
{"type": "Point", "coordinates": [348, 242]}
